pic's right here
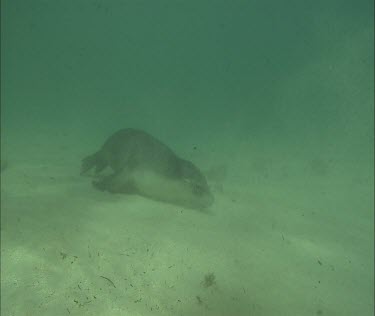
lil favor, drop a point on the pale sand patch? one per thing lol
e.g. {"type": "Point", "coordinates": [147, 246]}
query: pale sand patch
{"type": "Point", "coordinates": [275, 247]}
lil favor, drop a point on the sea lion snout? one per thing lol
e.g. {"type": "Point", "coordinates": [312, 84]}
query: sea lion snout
{"type": "Point", "coordinates": [197, 188]}
{"type": "Point", "coordinates": [203, 195]}
{"type": "Point", "coordinates": [197, 184]}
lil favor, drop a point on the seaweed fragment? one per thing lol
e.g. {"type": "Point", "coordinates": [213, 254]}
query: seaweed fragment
{"type": "Point", "coordinates": [109, 280]}
{"type": "Point", "coordinates": [209, 280]}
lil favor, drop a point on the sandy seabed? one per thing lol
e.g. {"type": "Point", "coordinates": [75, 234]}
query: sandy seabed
{"type": "Point", "coordinates": [276, 244]}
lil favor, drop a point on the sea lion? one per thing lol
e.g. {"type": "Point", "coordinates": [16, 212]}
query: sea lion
{"type": "Point", "coordinates": [141, 164]}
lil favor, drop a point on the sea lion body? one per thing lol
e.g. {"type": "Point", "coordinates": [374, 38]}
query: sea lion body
{"type": "Point", "coordinates": [143, 165]}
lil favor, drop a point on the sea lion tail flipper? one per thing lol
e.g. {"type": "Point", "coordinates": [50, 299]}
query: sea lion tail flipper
{"type": "Point", "coordinates": [96, 160]}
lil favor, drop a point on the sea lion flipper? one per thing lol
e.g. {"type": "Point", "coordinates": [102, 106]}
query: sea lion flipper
{"type": "Point", "coordinates": [101, 164]}
{"type": "Point", "coordinates": [95, 160]}
{"type": "Point", "coordinates": [104, 183]}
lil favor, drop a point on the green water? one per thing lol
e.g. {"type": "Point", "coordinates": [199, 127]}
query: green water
{"type": "Point", "coordinates": [273, 100]}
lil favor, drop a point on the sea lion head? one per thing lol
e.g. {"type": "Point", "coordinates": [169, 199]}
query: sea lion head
{"type": "Point", "coordinates": [196, 184]}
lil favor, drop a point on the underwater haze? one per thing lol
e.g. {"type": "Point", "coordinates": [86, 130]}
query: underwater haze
{"type": "Point", "coordinates": [272, 101]}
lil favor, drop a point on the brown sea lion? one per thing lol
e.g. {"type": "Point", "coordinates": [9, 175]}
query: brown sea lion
{"type": "Point", "coordinates": [143, 165]}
